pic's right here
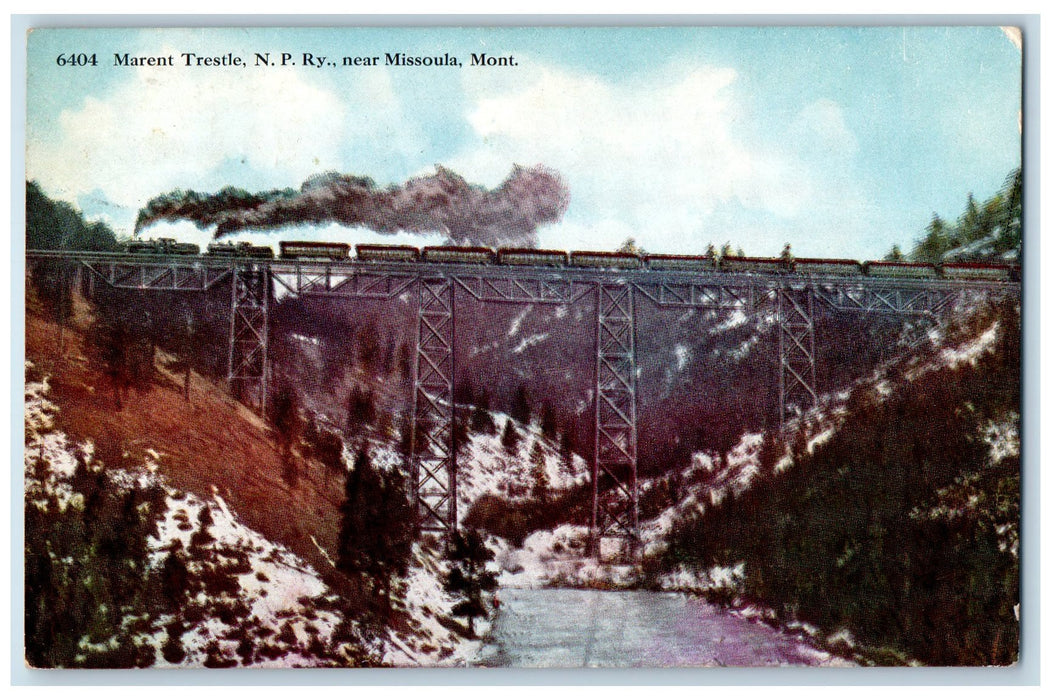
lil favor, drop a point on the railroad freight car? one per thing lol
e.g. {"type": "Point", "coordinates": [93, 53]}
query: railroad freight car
{"type": "Point", "coordinates": [688, 263]}
{"type": "Point", "coordinates": [766, 266]}
{"type": "Point", "coordinates": [833, 267]}
{"type": "Point", "coordinates": [901, 269]}
{"type": "Point", "coordinates": [532, 256]}
{"type": "Point", "coordinates": [370, 252]}
{"type": "Point", "coordinates": [161, 246]}
{"type": "Point", "coordinates": [609, 261]}
{"type": "Point", "coordinates": [979, 271]}
{"type": "Point", "coordinates": [459, 254]}
{"type": "Point", "coordinates": [314, 250]}
{"type": "Point", "coordinates": [242, 249]}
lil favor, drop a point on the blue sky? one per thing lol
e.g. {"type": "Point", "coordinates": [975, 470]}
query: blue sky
{"type": "Point", "coordinates": [842, 141]}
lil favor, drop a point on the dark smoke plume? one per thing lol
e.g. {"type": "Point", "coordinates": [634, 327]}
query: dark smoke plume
{"type": "Point", "coordinates": [467, 214]}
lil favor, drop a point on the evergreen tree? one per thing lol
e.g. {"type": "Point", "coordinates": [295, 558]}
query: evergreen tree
{"type": "Point", "coordinates": [631, 247]}
{"type": "Point", "coordinates": [461, 429]}
{"type": "Point", "coordinates": [510, 438]}
{"type": "Point", "coordinates": [369, 348]}
{"type": "Point", "coordinates": [548, 421]}
{"type": "Point", "coordinates": [469, 578]}
{"type": "Point", "coordinates": [481, 419]}
{"type": "Point", "coordinates": [404, 362]}
{"type": "Point", "coordinates": [361, 408]}
{"type": "Point", "coordinates": [541, 483]}
{"type": "Point", "coordinates": [894, 527]}
{"type": "Point", "coordinates": [567, 445]}
{"type": "Point", "coordinates": [375, 537]}
{"type": "Point", "coordinates": [284, 415]}
{"type": "Point", "coordinates": [328, 449]}
{"type": "Point", "coordinates": [53, 225]}
{"type": "Point", "coordinates": [121, 344]}
{"type": "Point", "coordinates": [404, 444]}
{"type": "Point", "coordinates": [521, 411]}
{"type": "Point", "coordinates": [465, 392]}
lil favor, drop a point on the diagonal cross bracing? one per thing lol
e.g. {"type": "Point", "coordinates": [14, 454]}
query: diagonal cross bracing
{"type": "Point", "coordinates": [884, 297]}
{"type": "Point", "coordinates": [797, 380]}
{"type": "Point", "coordinates": [248, 364]}
{"type": "Point", "coordinates": [433, 442]}
{"type": "Point", "coordinates": [704, 292]}
{"type": "Point", "coordinates": [614, 473]}
{"type": "Point", "coordinates": [522, 289]}
{"type": "Point", "coordinates": [170, 276]}
{"type": "Point", "coordinates": [341, 282]}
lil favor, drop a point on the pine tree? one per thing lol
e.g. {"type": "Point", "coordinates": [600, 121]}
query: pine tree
{"type": "Point", "coordinates": [375, 537]}
{"type": "Point", "coordinates": [284, 415]}
{"type": "Point", "coordinates": [368, 348]}
{"type": "Point", "coordinates": [328, 449]}
{"type": "Point", "coordinates": [566, 446]}
{"type": "Point", "coordinates": [361, 408]}
{"type": "Point", "coordinates": [481, 418]}
{"type": "Point", "coordinates": [631, 247]}
{"type": "Point", "coordinates": [469, 578]}
{"type": "Point", "coordinates": [548, 421]}
{"type": "Point", "coordinates": [359, 501]}
{"type": "Point", "coordinates": [541, 483]}
{"type": "Point", "coordinates": [120, 338]}
{"type": "Point", "coordinates": [461, 429]}
{"type": "Point", "coordinates": [465, 392]}
{"type": "Point", "coordinates": [510, 438]}
{"type": "Point", "coordinates": [520, 408]}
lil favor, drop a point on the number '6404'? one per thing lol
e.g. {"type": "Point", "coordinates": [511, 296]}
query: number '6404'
{"type": "Point", "coordinates": [76, 59]}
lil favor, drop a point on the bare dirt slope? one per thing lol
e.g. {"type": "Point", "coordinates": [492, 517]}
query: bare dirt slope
{"type": "Point", "coordinates": [208, 444]}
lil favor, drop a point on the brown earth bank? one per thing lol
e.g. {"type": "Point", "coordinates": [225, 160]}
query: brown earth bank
{"type": "Point", "coordinates": [207, 444]}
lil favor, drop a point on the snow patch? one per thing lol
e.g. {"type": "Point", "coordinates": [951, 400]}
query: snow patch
{"type": "Point", "coordinates": [682, 356]}
{"type": "Point", "coordinates": [516, 322]}
{"type": "Point", "coordinates": [1002, 437]}
{"type": "Point", "coordinates": [971, 351]}
{"type": "Point", "coordinates": [529, 342]}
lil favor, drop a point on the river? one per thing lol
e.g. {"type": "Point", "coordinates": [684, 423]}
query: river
{"type": "Point", "coordinates": [570, 628]}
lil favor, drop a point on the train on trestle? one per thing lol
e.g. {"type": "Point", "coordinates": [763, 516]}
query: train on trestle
{"type": "Point", "coordinates": [315, 251]}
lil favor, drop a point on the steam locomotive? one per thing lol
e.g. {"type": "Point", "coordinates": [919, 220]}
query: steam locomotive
{"type": "Point", "coordinates": [243, 249]}
{"type": "Point", "coordinates": [314, 251]}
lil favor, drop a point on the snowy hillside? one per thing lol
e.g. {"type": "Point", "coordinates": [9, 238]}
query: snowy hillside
{"type": "Point", "coordinates": [556, 556]}
{"type": "Point", "coordinates": [486, 467]}
{"type": "Point", "coordinates": [247, 601]}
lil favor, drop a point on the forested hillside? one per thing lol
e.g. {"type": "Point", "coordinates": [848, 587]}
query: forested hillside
{"type": "Point", "coordinates": [903, 527]}
{"type": "Point", "coordinates": [987, 231]}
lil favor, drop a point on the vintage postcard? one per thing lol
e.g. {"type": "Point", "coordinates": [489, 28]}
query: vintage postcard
{"type": "Point", "coordinates": [523, 347]}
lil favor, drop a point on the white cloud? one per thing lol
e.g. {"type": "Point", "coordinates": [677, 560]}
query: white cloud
{"type": "Point", "coordinates": [653, 160]}
{"type": "Point", "coordinates": [675, 161]}
{"type": "Point", "coordinates": [167, 128]}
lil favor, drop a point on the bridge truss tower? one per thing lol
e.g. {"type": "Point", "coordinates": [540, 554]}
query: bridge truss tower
{"type": "Point", "coordinates": [248, 362]}
{"type": "Point", "coordinates": [796, 372]}
{"type": "Point", "coordinates": [433, 414]}
{"type": "Point", "coordinates": [614, 473]}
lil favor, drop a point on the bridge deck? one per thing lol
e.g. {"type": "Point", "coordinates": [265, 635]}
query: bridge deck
{"type": "Point", "coordinates": [416, 270]}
